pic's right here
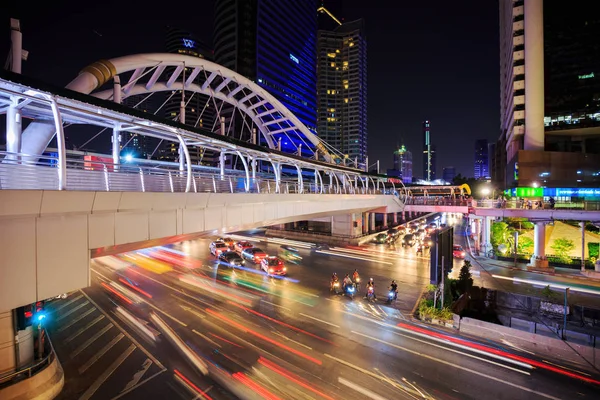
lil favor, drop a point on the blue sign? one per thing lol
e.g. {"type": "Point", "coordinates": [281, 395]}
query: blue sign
{"type": "Point", "coordinates": [575, 192]}
{"type": "Point", "coordinates": [294, 59]}
{"type": "Point", "coordinates": [189, 43]}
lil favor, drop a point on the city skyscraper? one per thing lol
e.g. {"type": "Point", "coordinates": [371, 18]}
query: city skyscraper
{"type": "Point", "coordinates": [481, 159]}
{"type": "Point", "coordinates": [258, 40]}
{"type": "Point", "coordinates": [448, 174]}
{"type": "Point", "coordinates": [429, 161]}
{"type": "Point", "coordinates": [403, 163]}
{"type": "Point", "coordinates": [549, 85]}
{"type": "Point", "coordinates": [342, 85]}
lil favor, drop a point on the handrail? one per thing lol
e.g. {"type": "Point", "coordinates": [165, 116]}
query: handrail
{"type": "Point", "coordinates": [33, 369]}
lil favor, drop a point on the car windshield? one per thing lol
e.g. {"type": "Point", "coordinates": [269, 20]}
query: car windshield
{"type": "Point", "coordinates": [273, 262]}
{"type": "Point", "coordinates": [256, 250]}
{"type": "Point", "coordinates": [457, 248]}
{"type": "Point", "coordinates": [220, 245]}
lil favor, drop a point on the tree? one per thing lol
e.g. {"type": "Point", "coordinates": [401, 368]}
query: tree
{"type": "Point", "coordinates": [562, 248]}
{"type": "Point", "coordinates": [525, 245]}
{"type": "Point", "coordinates": [501, 233]}
{"type": "Point", "coordinates": [465, 279]}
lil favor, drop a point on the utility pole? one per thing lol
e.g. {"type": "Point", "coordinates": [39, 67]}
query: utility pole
{"type": "Point", "coordinates": [442, 284]}
{"type": "Point", "coordinates": [564, 332]}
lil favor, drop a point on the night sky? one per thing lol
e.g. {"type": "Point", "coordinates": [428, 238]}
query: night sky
{"type": "Point", "coordinates": [428, 59]}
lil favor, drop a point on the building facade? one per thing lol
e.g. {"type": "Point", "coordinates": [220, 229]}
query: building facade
{"type": "Point", "coordinates": [481, 162]}
{"type": "Point", "coordinates": [403, 164]}
{"type": "Point", "coordinates": [429, 159]}
{"type": "Point", "coordinates": [550, 94]}
{"type": "Point", "coordinates": [342, 86]}
{"type": "Point", "coordinates": [448, 174]}
{"type": "Point", "coordinates": [273, 43]}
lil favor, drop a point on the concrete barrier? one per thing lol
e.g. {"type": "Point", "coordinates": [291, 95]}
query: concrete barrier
{"type": "Point", "coordinates": [578, 355]}
{"type": "Point", "coordinates": [45, 385]}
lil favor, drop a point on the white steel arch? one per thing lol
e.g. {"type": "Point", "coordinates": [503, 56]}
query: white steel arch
{"type": "Point", "coordinates": [272, 118]}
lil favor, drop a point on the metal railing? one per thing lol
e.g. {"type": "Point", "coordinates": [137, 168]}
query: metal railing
{"type": "Point", "coordinates": [33, 369]}
{"type": "Point", "coordinates": [18, 172]}
{"type": "Point", "coordinates": [524, 205]}
{"type": "Point", "coordinates": [432, 201]}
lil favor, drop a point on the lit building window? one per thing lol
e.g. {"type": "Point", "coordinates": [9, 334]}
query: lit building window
{"type": "Point", "coordinates": [333, 64]}
{"type": "Point", "coordinates": [332, 55]}
{"type": "Point", "coordinates": [346, 100]}
{"type": "Point", "coordinates": [351, 44]}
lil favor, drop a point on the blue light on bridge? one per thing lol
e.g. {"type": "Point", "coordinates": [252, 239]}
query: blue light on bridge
{"type": "Point", "coordinates": [294, 58]}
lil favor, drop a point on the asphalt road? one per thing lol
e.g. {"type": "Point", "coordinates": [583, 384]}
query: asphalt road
{"type": "Point", "coordinates": [149, 329]}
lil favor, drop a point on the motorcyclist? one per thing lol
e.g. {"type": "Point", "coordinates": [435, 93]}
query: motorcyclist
{"type": "Point", "coordinates": [394, 288]}
{"type": "Point", "coordinates": [334, 279]}
{"type": "Point", "coordinates": [347, 281]}
{"type": "Point", "coordinates": [370, 285]}
{"type": "Point", "coordinates": [355, 277]}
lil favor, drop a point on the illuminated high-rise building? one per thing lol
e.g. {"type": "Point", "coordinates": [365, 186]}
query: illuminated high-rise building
{"type": "Point", "coordinates": [342, 86]}
{"type": "Point", "coordinates": [481, 162]}
{"type": "Point", "coordinates": [429, 161]}
{"type": "Point", "coordinates": [403, 163]}
{"type": "Point", "coordinates": [273, 43]}
{"type": "Point", "coordinates": [549, 94]}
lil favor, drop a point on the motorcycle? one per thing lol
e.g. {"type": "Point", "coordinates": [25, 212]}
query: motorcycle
{"type": "Point", "coordinates": [370, 293]}
{"type": "Point", "coordinates": [335, 288]}
{"type": "Point", "coordinates": [349, 290]}
{"type": "Point", "coordinates": [392, 295]}
{"type": "Point", "coordinates": [356, 283]}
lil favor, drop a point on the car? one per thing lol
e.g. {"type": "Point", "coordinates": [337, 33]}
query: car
{"type": "Point", "coordinates": [254, 254]}
{"type": "Point", "coordinates": [381, 238]}
{"type": "Point", "coordinates": [227, 240]}
{"type": "Point", "coordinates": [458, 252]}
{"type": "Point", "coordinates": [242, 245]}
{"type": "Point", "coordinates": [408, 240]}
{"type": "Point", "coordinates": [232, 259]}
{"type": "Point", "coordinates": [217, 248]}
{"type": "Point", "coordinates": [273, 266]}
{"type": "Point", "coordinates": [393, 233]}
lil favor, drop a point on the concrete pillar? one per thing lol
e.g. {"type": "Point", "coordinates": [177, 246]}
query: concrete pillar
{"type": "Point", "coordinates": [582, 226]}
{"type": "Point", "coordinates": [372, 222]}
{"type": "Point", "coordinates": [222, 164]}
{"type": "Point", "coordinates": [385, 220]}
{"type": "Point", "coordinates": [403, 216]}
{"type": "Point", "coordinates": [395, 219]}
{"type": "Point", "coordinates": [534, 77]}
{"type": "Point", "coordinates": [539, 239]}
{"type": "Point", "coordinates": [13, 130]}
{"type": "Point", "coordinates": [477, 233]}
{"type": "Point", "coordinates": [486, 231]}
{"type": "Point", "coordinates": [344, 225]}
{"type": "Point", "coordinates": [116, 148]}
{"type": "Point", "coordinates": [16, 349]}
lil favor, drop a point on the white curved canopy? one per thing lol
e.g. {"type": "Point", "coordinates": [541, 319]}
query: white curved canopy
{"type": "Point", "coordinates": [270, 116]}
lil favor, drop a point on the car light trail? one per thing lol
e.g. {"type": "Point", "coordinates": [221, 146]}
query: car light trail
{"type": "Point", "coordinates": [263, 337]}
{"type": "Point", "coordinates": [135, 288]}
{"type": "Point", "coordinates": [552, 285]}
{"type": "Point", "coordinates": [192, 386]}
{"type": "Point", "coordinates": [331, 253]}
{"type": "Point", "coordinates": [272, 366]}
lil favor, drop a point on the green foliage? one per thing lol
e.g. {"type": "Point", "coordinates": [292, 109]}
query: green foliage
{"type": "Point", "coordinates": [431, 288]}
{"type": "Point", "coordinates": [501, 233]}
{"type": "Point", "coordinates": [525, 245]}
{"type": "Point", "coordinates": [465, 280]}
{"type": "Point", "coordinates": [427, 311]}
{"type": "Point", "coordinates": [547, 292]}
{"type": "Point", "coordinates": [519, 223]}
{"type": "Point", "coordinates": [562, 247]}
{"type": "Point", "coordinates": [594, 249]}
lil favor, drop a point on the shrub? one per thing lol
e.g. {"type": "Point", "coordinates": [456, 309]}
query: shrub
{"type": "Point", "coordinates": [562, 248]}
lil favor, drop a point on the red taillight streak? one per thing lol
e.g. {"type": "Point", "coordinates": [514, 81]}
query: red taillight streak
{"type": "Point", "coordinates": [135, 288]}
{"type": "Point", "coordinates": [290, 376]}
{"type": "Point", "coordinates": [117, 293]}
{"type": "Point", "coordinates": [225, 340]}
{"type": "Point", "coordinates": [280, 322]}
{"type": "Point", "coordinates": [501, 353]}
{"type": "Point", "coordinates": [253, 385]}
{"type": "Point", "coordinates": [263, 337]}
{"type": "Point", "coordinates": [196, 388]}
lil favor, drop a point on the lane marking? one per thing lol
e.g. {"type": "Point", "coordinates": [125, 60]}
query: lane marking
{"type": "Point", "coordinates": [138, 375]}
{"type": "Point", "coordinates": [146, 352]}
{"type": "Point", "coordinates": [365, 392]}
{"type": "Point", "coordinates": [91, 340]}
{"type": "Point", "coordinates": [99, 354]}
{"type": "Point", "coordinates": [106, 374]}
{"type": "Point", "coordinates": [291, 340]}
{"type": "Point", "coordinates": [462, 353]}
{"type": "Point", "coordinates": [71, 311]}
{"type": "Point", "coordinates": [320, 320]}
{"type": "Point", "coordinates": [353, 257]}
{"type": "Point", "coordinates": [124, 392]}
{"type": "Point", "coordinates": [206, 338]}
{"type": "Point", "coordinates": [276, 305]}
{"type": "Point", "coordinates": [84, 328]}
{"type": "Point", "coordinates": [75, 320]}
{"type": "Point", "coordinates": [63, 305]}
{"type": "Point", "coordinates": [460, 367]}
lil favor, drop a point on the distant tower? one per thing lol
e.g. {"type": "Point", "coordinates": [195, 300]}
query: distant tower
{"type": "Point", "coordinates": [428, 154]}
{"type": "Point", "coordinates": [403, 163]}
{"type": "Point", "coordinates": [481, 159]}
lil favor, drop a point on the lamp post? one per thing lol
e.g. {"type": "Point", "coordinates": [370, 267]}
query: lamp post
{"type": "Point", "coordinates": [40, 318]}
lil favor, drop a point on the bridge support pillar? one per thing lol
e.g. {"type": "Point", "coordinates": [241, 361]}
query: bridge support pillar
{"type": "Point", "coordinates": [385, 220]}
{"type": "Point", "coordinates": [477, 233]}
{"type": "Point", "coordinates": [539, 239]}
{"type": "Point", "coordinates": [13, 130]}
{"type": "Point", "coordinates": [395, 218]}
{"type": "Point", "coordinates": [486, 229]}
{"type": "Point", "coordinates": [403, 216]}
{"type": "Point", "coordinates": [582, 226]}
{"type": "Point", "coordinates": [372, 222]}
{"type": "Point", "coordinates": [17, 345]}
{"type": "Point", "coordinates": [347, 225]}
{"type": "Point", "coordinates": [222, 164]}
{"type": "Point", "coordinates": [116, 148]}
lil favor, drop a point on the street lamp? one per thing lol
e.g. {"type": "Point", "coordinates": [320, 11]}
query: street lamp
{"type": "Point", "coordinates": [485, 191]}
